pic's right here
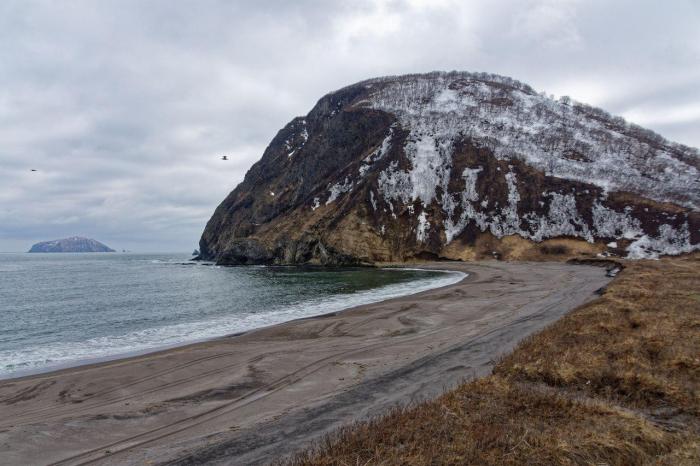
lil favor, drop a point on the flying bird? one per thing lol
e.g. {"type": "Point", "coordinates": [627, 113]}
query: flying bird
{"type": "Point", "coordinates": [33, 169]}
{"type": "Point", "coordinates": [224, 157]}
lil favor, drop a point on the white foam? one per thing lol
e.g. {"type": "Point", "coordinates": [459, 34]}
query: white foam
{"type": "Point", "coordinates": [14, 363]}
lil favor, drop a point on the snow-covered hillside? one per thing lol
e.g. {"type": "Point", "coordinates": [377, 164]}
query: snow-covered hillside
{"type": "Point", "coordinates": [560, 137]}
{"type": "Point", "coordinates": [434, 165]}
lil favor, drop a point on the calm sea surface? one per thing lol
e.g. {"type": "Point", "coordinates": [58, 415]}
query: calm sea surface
{"type": "Point", "coordinates": [59, 310]}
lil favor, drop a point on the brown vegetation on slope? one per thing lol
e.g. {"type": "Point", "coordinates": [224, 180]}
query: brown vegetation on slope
{"type": "Point", "coordinates": [615, 382]}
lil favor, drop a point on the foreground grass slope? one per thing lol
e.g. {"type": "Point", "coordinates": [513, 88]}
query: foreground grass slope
{"type": "Point", "coordinates": [615, 382]}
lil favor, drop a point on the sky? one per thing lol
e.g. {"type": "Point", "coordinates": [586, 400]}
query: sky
{"type": "Point", "coordinates": [125, 107]}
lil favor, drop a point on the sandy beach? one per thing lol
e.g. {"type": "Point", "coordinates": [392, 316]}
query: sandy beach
{"type": "Point", "coordinates": [253, 398]}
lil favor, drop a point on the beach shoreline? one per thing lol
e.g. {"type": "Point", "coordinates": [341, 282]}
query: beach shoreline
{"type": "Point", "coordinates": [229, 398]}
{"type": "Point", "coordinates": [89, 362]}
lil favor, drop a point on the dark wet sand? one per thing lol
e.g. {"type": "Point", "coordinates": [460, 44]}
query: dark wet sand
{"type": "Point", "coordinates": [252, 398]}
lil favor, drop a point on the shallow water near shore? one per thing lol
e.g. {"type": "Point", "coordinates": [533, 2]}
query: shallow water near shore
{"type": "Point", "coordinates": [59, 310]}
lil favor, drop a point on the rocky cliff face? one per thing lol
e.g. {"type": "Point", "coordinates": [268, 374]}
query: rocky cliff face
{"type": "Point", "coordinates": [73, 244]}
{"type": "Point", "coordinates": [459, 166]}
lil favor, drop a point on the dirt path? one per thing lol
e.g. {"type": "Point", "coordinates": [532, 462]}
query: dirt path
{"type": "Point", "coordinates": [251, 398]}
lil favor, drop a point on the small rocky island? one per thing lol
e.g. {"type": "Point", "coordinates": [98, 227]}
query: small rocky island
{"type": "Point", "coordinates": [72, 244]}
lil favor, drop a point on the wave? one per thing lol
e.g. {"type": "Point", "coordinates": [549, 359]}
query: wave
{"type": "Point", "coordinates": [14, 363]}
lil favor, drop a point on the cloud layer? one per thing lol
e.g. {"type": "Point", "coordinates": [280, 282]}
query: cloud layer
{"type": "Point", "coordinates": [124, 107]}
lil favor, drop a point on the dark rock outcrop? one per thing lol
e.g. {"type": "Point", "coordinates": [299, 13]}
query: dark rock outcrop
{"type": "Point", "coordinates": [458, 166]}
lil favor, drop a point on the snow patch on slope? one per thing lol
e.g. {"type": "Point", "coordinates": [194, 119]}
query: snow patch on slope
{"type": "Point", "coordinates": [395, 184]}
{"type": "Point", "coordinates": [303, 134]}
{"type": "Point", "coordinates": [470, 176]}
{"type": "Point", "coordinates": [338, 189]}
{"type": "Point", "coordinates": [565, 140]}
{"type": "Point", "coordinates": [423, 227]}
{"type": "Point", "coordinates": [378, 153]}
{"type": "Point", "coordinates": [670, 241]}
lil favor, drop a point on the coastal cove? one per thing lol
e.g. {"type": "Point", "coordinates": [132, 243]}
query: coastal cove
{"type": "Point", "coordinates": [232, 397]}
{"type": "Point", "coordinates": [68, 310]}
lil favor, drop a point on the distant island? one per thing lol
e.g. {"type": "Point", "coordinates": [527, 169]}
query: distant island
{"type": "Point", "coordinates": [73, 244]}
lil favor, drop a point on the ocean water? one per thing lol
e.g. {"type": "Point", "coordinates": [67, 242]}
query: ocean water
{"type": "Point", "coordinates": [60, 310]}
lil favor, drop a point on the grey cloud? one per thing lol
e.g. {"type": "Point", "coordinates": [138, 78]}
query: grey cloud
{"type": "Point", "coordinates": [126, 106]}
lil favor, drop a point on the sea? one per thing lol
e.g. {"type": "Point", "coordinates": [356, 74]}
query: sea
{"type": "Point", "coordinates": [61, 310]}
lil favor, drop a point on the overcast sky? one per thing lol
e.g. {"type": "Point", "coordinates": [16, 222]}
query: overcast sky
{"type": "Point", "coordinates": [124, 107]}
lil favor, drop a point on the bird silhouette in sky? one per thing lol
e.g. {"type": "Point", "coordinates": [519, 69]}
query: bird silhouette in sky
{"type": "Point", "coordinates": [224, 157]}
{"type": "Point", "coordinates": [33, 169]}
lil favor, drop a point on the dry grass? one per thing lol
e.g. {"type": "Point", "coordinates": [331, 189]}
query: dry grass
{"type": "Point", "coordinates": [615, 382]}
{"type": "Point", "coordinates": [638, 345]}
{"type": "Point", "coordinates": [515, 247]}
